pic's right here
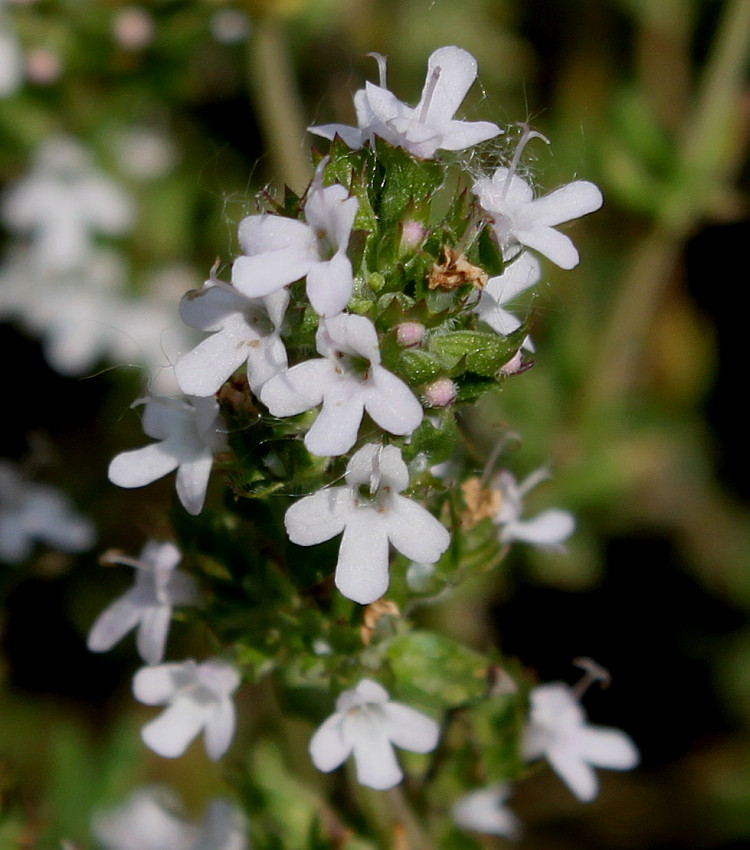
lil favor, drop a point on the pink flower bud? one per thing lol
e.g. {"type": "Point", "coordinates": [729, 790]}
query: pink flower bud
{"type": "Point", "coordinates": [440, 393]}
{"type": "Point", "coordinates": [412, 234]}
{"type": "Point", "coordinates": [409, 334]}
{"type": "Point", "coordinates": [133, 28]}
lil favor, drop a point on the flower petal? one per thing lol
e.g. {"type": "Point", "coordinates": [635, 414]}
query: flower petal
{"type": "Point", "coordinates": [170, 734]}
{"type": "Point", "coordinates": [152, 634]}
{"type": "Point", "coordinates": [410, 729]}
{"type": "Point", "coordinates": [318, 517]}
{"type": "Point", "coordinates": [451, 72]}
{"type": "Point", "coordinates": [547, 530]}
{"type": "Point", "coordinates": [605, 747]}
{"type": "Point", "coordinates": [334, 431]}
{"type": "Point", "coordinates": [574, 771]}
{"type": "Point", "coordinates": [114, 622]}
{"type": "Point", "coordinates": [299, 388]}
{"type": "Point", "coordinates": [556, 246]}
{"type": "Point", "coordinates": [202, 371]}
{"type": "Point", "coordinates": [415, 532]}
{"type": "Point", "coordinates": [373, 754]}
{"type": "Point", "coordinates": [329, 285]}
{"type": "Point", "coordinates": [328, 748]}
{"type": "Point", "coordinates": [142, 466]}
{"type": "Point", "coordinates": [362, 568]}
{"type": "Point", "coordinates": [566, 203]}
{"type": "Point", "coordinates": [391, 403]}
{"type": "Point", "coordinates": [220, 729]}
{"type": "Point", "coordinates": [192, 481]}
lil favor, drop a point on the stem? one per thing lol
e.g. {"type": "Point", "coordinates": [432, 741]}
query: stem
{"type": "Point", "coordinates": [277, 104]}
{"type": "Point", "coordinates": [702, 160]}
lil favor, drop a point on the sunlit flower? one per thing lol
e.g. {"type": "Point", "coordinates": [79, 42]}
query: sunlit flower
{"type": "Point", "coordinates": [430, 125]}
{"type": "Point", "coordinates": [244, 330]}
{"type": "Point", "coordinates": [189, 432]}
{"type": "Point", "coordinates": [371, 514]}
{"type": "Point", "coordinates": [368, 725]}
{"type": "Point", "coordinates": [484, 810]}
{"type": "Point", "coordinates": [31, 512]}
{"type": "Point", "coordinates": [557, 730]}
{"type": "Point", "coordinates": [547, 530]}
{"type": "Point", "coordinates": [348, 380]}
{"type": "Point", "coordinates": [147, 606]}
{"type": "Point", "coordinates": [277, 251]}
{"type": "Point", "coordinates": [198, 698]}
{"type": "Point", "coordinates": [520, 219]}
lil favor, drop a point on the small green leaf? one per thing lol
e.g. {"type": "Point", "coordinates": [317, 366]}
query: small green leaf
{"type": "Point", "coordinates": [484, 353]}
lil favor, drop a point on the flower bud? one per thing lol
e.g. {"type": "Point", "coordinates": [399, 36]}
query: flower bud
{"type": "Point", "coordinates": [440, 393]}
{"type": "Point", "coordinates": [409, 334]}
{"type": "Point", "coordinates": [412, 235]}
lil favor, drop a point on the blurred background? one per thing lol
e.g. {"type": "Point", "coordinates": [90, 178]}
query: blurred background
{"type": "Point", "coordinates": [134, 137]}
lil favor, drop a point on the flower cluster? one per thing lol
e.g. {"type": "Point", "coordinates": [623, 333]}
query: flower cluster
{"type": "Point", "coordinates": [356, 323]}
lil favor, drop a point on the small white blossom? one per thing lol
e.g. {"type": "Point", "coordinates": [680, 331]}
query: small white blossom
{"type": "Point", "coordinates": [484, 811]}
{"type": "Point", "coordinates": [348, 380]}
{"type": "Point", "coordinates": [547, 530]}
{"type": "Point", "coordinates": [557, 730]}
{"type": "Point", "coordinates": [148, 605]}
{"type": "Point", "coordinates": [63, 202]}
{"type": "Point", "coordinates": [368, 725]}
{"type": "Point", "coordinates": [370, 513]}
{"type": "Point", "coordinates": [148, 820]}
{"type": "Point", "coordinates": [278, 251]}
{"type": "Point", "coordinates": [516, 278]}
{"type": "Point", "coordinates": [31, 512]}
{"type": "Point", "coordinates": [520, 219]}
{"type": "Point", "coordinates": [189, 432]}
{"type": "Point", "coordinates": [145, 821]}
{"type": "Point", "coordinates": [430, 125]}
{"type": "Point", "coordinates": [244, 330]}
{"type": "Point", "coordinates": [198, 698]}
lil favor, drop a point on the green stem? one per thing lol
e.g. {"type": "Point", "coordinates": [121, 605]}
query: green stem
{"type": "Point", "coordinates": [277, 104]}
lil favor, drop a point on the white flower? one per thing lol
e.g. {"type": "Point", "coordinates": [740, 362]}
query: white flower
{"type": "Point", "coordinates": [198, 697]}
{"type": "Point", "coordinates": [557, 730]}
{"type": "Point", "coordinates": [189, 432]}
{"type": "Point", "coordinates": [148, 820]}
{"type": "Point", "coordinates": [430, 125]}
{"type": "Point", "coordinates": [348, 380]}
{"type": "Point", "coordinates": [368, 725]}
{"type": "Point", "coordinates": [517, 277]}
{"type": "Point", "coordinates": [278, 251]}
{"type": "Point", "coordinates": [148, 605]}
{"type": "Point", "coordinates": [370, 513]}
{"type": "Point", "coordinates": [484, 811]}
{"type": "Point", "coordinates": [31, 512]}
{"type": "Point", "coordinates": [520, 219]}
{"type": "Point", "coordinates": [62, 202]}
{"type": "Point", "coordinates": [244, 330]}
{"type": "Point", "coordinates": [145, 821]}
{"type": "Point", "coordinates": [547, 530]}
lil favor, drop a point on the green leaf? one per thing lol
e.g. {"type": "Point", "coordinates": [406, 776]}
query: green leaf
{"type": "Point", "coordinates": [484, 352]}
{"type": "Point", "coordinates": [436, 671]}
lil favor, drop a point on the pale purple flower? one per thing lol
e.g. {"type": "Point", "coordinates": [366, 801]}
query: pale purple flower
{"type": "Point", "coordinates": [277, 250]}
{"type": "Point", "coordinates": [368, 725]}
{"type": "Point", "coordinates": [484, 810]}
{"type": "Point", "coordinates": [188, 434]}
{"type": "Point", "coordinates": [31, 512]}
{"type": "Point", "coordinates": [520, 219]}
{"type": "Point", "coordinates": [243, 331]}
{"type": "Point", "coordinates": [348, 380]}
{"type": "Point", "coordinates": [557, 730]}
{"type": "Point", "coordinates": [198, 698]}
{"type": "Point", "coordinates": [371, 514]}
{"type": "Point", "coordinates": [547, 530]}
{"type": "Point", "coordinates": [430, 125]}
{"type": "Point", "coordinates": [147, 606]}
{"type": "Point", "coordinates": [63, 202]}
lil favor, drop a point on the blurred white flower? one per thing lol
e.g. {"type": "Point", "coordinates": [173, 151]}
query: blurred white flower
{"type": "Point", "coordinates": [32, 512]}
{"type": "Point", "coordinates": [547, 530]}
{"type": "Point", "coordinates": [198, 698]}
{"type": "Point", "coordinates": [133, 27]}
{"type": "Point", "coordinates": [484, 811]}
{"type": "Point", "coordinates": [148, 820]}
{"type": "Point", "coordinates": [147, 606]}
{"type": "Point", "coordinates": [557, 730]}
{"type": "Point", "coordinates": [63, 202]}
{"type": "Point", "coordinates": [230, 26]}
{"type": "Point", "coordinates": [43, 66]}
{"type": "Point", "coordinates": [188, 433]}
{"type": "Point", "coordinates": [144, 153]}
{"type": "Point", "coordinates": [368, 725]}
